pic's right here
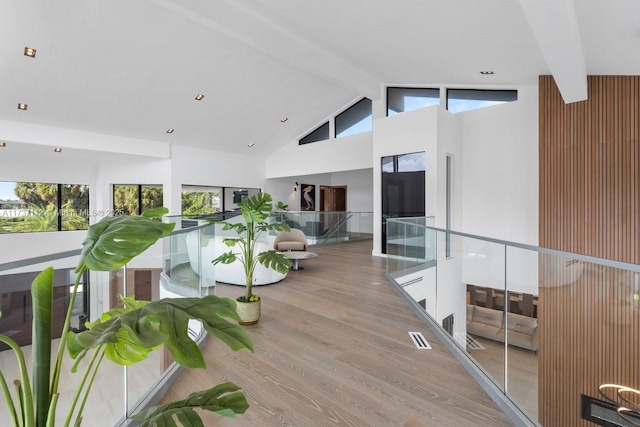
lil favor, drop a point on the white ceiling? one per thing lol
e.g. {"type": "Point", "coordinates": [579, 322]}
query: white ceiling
{"type": "Point", "coordinates": [132, 68]}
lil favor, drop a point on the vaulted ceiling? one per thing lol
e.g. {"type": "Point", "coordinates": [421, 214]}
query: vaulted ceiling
{"type": "Point", "coordinates": [133, 68]}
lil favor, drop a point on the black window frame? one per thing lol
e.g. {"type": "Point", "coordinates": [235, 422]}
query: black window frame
{"type": "Point", "coordinates": [403, 91]}
{"type": "Point", "coordinates": [318, 134]}
{"type": "Point", "coordinates": [354, 110]}
{"type": "Point", "coordinates": [500, 95]}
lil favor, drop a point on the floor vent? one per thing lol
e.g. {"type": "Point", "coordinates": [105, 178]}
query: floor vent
{"type": "Point", "coordinates": [419, 340]}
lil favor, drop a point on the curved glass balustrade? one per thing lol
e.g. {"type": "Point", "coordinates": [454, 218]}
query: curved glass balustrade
{"type": "Point", "coordinates": [521, 313]}
{"type": "Point", "coordinates": [170, 268]}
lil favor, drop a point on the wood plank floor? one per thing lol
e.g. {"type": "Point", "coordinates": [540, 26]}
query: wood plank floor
{"type": "Point", "coordinates": [332, 349]}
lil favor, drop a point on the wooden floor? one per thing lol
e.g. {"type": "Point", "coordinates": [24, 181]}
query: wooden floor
{"type": "Point", "coordinates": [333, 349]}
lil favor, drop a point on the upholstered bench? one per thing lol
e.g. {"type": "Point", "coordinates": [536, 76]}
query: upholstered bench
{"type": "Point", "coordinates": [522, 331]}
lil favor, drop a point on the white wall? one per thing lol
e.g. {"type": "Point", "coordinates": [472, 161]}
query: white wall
{"type": "Point", "coordinates": [333, 155]}
{"type": "Point", "coordinates": [409, 132]}
{"type": "Point", "coordinates": [501, 169]}
{"type": "Point", "coordinates": [359, 185]}
{"type": "Point", "coordinates": [500, 193]}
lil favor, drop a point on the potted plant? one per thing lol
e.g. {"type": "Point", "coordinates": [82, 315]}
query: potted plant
{"type": "Point", "coordinates": [123, 335]}
{"type": "Point", "coordinates": [255, 211]}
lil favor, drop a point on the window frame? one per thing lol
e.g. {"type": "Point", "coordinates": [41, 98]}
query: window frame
{"type": "Point", "coordinates": [352, 110]}
{"type": "Point", "coordinates": [478, 92]}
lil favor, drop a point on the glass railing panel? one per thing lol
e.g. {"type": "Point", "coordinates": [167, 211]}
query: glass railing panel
{"type": "Point", "coordinates": [176, 266]}
{"type": "Point", "coordinates": [471, 284]}
{"type": "Point", "coordinates": [180, 267]}
{"type": "Point", "coordinates": [322, 227]}
{"type": "Point", "coordinates": [141, 279]}
{"type": "Point", "coordinates": [521, 329]}
{"type": "Point", "coordinates": [107, 406]}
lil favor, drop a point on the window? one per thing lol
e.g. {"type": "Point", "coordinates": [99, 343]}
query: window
{"type": "Point", "coordinates": [320, 134]}
{"type": "Point", "coordinates": [403, 193]}
{"type": "Point", "coordinates": [459, 100]}
{"type": "Point", "coordinates": [403, 99]}
{"type": "Point", "coordinates": [38, 206]}
{"type": "Point", "coordinates": [412, 162]}
{"type": "Point", "coordinates": [133, 199]}
{"type": "Point", "coordinates": [201, 200]}
{"type": "Point", "coordinates": [355, 119]}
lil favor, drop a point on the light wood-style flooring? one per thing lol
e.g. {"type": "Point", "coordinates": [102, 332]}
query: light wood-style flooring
{"type": "Point", "coordinates": [333, 349]}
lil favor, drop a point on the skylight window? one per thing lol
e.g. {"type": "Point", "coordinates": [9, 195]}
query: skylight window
{"type": "Point", "coordinates": [459, 100]}
{"type": "Point", "coordinates": [403, 99]}
{"type": "Point", "coordinates": [355, 119]}
{"type": "Point", "coordinates": [319, 134]}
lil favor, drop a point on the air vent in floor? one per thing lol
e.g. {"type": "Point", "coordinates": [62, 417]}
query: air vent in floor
{"type": "Point", "coordinates": [419, 340]}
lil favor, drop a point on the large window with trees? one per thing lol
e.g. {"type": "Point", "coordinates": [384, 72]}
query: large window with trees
{"type": "Point", "coordinates": [133, 199]}
{"type": "Point", "coordinates": [38, 206]}
{"type": "Point", "coordinates": [201, 200]}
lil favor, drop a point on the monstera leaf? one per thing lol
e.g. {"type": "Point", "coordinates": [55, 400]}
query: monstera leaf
{"type": "Point", "coordinates": [223, 399]}
{"type": "Point", "coordinates": [257, 207]}
{"type": "Point", "coordinates": [274, 260]}
{"type": "Point", "coordinates": [114, 241]}
{"type": "Point", "coordinates": [130, 334]}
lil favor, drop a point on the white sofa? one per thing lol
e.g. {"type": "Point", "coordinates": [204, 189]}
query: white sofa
{"type": "Point", "coordinates": [226, 273]}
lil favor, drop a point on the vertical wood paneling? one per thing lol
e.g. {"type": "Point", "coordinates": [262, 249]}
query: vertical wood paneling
{"type": "Point", "coordinates": [589, 322]}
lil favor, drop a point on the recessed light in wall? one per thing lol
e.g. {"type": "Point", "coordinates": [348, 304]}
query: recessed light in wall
{"type": "Point", "coordinates": [486, 73]}
{"type": "Point", "coordinates": [3, 144]}
{"type": "Point", "coordinates": [199, 97]}
{"type": "Point", "coordinates": [22, 106]}
{"type": "Point", "coordinates": [171, 130]}
{"type": "Point", "coordinates": [251, 144]}
{"type": "Point", "coordinates": [284, 119]}
{"type": "Point", "coordinates": [30, 52]}
{"type": "Point", "coordinates": [57, 149]}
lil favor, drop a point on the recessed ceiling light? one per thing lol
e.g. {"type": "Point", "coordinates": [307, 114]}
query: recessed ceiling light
{"type": "Point", "coordinates": [486, 73]}
{"type": "Point", "coordinates": [3, 144]}
{"type": "Point", "coordinates": [22, 106]}
{"type": "Point", "coordinates": [57, 149]}
{"type": "Point", "coordinates": [171, 130]}
{"type": "Point", "coordinates": [30, 52]}
{"type": "Point", "coordinates": [284, 119]}
{"type": "Point", "coordinates": [199, 97]}
{"type": "Point", "coordinates": [250, 145]}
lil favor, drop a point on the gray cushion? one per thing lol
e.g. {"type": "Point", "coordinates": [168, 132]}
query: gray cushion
{"type": "Point", "coordinates": [522, 324]}
{"type": "Point", "coordinates": [488, 316]}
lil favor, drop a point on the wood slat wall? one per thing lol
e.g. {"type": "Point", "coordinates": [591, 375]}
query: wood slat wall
{"type": "Point", "coordinates": [589, 321]}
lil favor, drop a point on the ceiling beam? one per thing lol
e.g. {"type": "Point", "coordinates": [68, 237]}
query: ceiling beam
{"type": "Point", "coordinates": [555, 28]}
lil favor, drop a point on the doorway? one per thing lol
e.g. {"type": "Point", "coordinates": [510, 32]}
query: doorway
{"type": "Point", "coordinates": [332, 199]}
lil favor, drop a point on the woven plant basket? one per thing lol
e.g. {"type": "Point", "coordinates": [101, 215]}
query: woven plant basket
{"type": "Point", "coordinates": [249, 312]}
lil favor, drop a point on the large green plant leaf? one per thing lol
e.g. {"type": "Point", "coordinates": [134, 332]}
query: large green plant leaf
{"type": "Point", "coordinates": [129, 335]}
{"type": "Point", "coordinates": [257, 207]}
{"type": "Point", "coordinates": [225, 258]}
{"type": "Point", "coordinates": [114, 241]}
{"type": "Point", "coordinates": [274, 260]}
{"type": "Point", "coordinates": [42, 297]}
{"type": "Point", "coordinates": [223, 399]}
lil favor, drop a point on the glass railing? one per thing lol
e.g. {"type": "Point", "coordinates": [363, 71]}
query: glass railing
{"type": "Point", "coordinates": [521, 313]}
{"type": "Point", "coordinates": [329, 227]}
{"type": "Point", "coordinates": [173, 267]}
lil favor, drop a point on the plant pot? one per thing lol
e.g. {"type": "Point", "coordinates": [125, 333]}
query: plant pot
{"type": "Point", "coordinates": [249, 312]}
